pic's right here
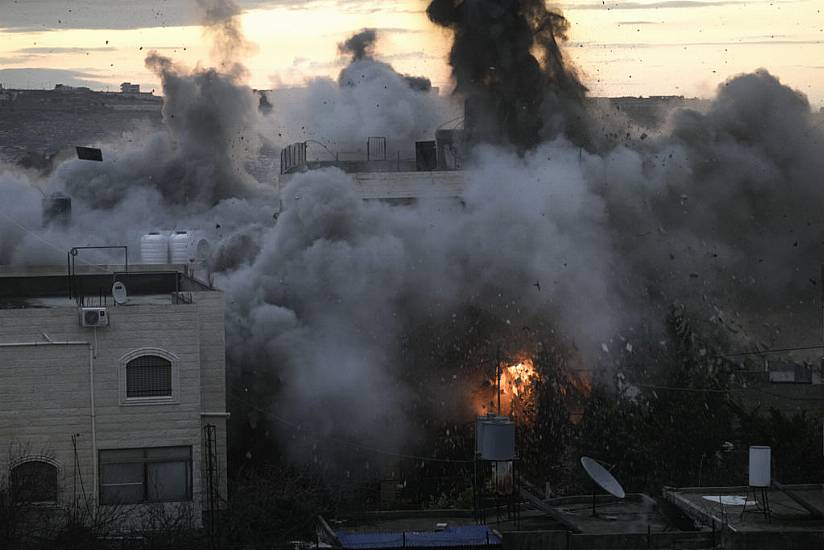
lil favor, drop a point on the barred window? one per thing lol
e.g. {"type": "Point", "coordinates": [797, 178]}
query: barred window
{"type": "Point", "coordinates": [132, 476]}
{"type": "Point", "coordinates": [149, 376]}
{"type": "Point", "coordinates": [34, 481]}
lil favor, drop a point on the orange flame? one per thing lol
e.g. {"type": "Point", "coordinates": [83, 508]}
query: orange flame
{"type": "Point", "coordinates": [516, 380]}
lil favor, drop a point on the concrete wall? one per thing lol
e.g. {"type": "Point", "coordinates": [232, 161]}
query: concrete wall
{"type": "Point", "coordinates": [45, 394]}
{"type": "Point", "coordinates": [786, 540]}
{"type": "Point", "coordinates": [563, 540]}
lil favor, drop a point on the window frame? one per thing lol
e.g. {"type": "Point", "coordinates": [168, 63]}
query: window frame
{"type": "Point", "coordinates": [47, 460]}
{"type": "Point", "coordinates": [172, 399]}
{"type": "Point", "coordinates": [145, 462]}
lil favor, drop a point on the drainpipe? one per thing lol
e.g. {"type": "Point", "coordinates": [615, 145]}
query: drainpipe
{"type": "Point", "coordinates": [91, 394]}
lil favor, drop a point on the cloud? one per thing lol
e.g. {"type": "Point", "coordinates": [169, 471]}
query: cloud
{"type": "Point", "coordinates": [667, 4]}
{"type": "Point", "coordinates": [44, 15]}
{"type": "Point", "coordinates": [42, 50]}
{"type": "Point", "coordinates": [34, 78]}
{"type": "Point", "coordinates": [639, 45]}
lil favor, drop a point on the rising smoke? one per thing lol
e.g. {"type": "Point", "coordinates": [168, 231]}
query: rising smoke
{"type": "Point", "coordinates": [512, 96]}
{"type": "Point", "coordinates": [356, 310]}
{"type": "Point", "coordinates": [369, 98]}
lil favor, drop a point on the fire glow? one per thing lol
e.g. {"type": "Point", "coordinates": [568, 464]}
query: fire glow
{"type": "Point", "coordinates": [516, 380]}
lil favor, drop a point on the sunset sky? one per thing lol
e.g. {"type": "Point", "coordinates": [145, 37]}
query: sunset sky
{"type": "Point", "coordinates": [684, 47]}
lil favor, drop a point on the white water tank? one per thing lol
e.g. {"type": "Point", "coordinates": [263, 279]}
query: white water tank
{"type": "Point", "coordinates": [760, 458]}
{"type": "Point", "coordinates": [187, 247]}
{"type": "Point", "coordinates": [495, 438]}
{"type": "Point", "coordinates": [154, 248]}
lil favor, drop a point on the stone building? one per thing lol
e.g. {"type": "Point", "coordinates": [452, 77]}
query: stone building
{"type": "Point", "coordinates": [112, 404]}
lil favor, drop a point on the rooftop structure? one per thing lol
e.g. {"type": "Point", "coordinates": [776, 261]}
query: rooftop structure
{"type": "Point", "coordinates": [112, 389]}
{"type": "Point", "coordinates": [434, 172]}
{"type": "Point", "coordinates": [794, 516]}
{"type": "Point", "coordinates": [634, 522]}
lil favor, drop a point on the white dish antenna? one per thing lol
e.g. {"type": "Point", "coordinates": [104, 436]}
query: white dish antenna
{"type": "Point", "coordinates": [602, 477]}
{"type": "Point", "coordinates": [119, 293]}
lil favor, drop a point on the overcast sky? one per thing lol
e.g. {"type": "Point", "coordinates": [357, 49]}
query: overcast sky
{"type": "Point", "coordinates": [644, 47]}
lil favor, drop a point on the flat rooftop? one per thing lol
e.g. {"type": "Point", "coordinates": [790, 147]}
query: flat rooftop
{"type": "Point", "coordinates": [53, 286]}
{"type": "Point", "coordinates": [421, 529]}
{"type": "Point", "coordinates": [637, 513]}
{"type": "Point", "coordinates": [795, 508]}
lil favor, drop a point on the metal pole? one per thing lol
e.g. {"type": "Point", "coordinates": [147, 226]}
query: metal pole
{"type": "Point", "coordinates": [498, 374]}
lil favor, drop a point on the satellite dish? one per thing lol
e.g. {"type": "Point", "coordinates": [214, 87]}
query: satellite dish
{"type": "Point", "coordinates": [602, 477]}
{"type": "Point", "coordinates": [119, 293]}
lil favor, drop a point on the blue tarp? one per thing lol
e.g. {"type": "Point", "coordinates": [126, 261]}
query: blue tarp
{"type": "Point", "coordinates": [464, 535]}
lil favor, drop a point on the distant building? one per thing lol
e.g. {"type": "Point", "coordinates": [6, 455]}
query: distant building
{"type": "Point", "coordinates": [791, 387]}
{"type": "Point", "coordinates": [45, 122]}
{"type": "Point", "coordinates": [129, 88]}
{"type": "Point", "coordinates": [432, 170]}
{"type": "Point", "coordinates": [112, 405]}
{"type": "Point", "coordinates": [790, 517]}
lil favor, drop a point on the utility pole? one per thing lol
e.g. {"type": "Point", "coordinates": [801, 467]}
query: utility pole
{"type": "Point", "coordinates": [498, 374]}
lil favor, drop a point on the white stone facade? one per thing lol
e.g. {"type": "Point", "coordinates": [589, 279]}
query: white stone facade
{"type": "Point", "coordinates": [59, 379]}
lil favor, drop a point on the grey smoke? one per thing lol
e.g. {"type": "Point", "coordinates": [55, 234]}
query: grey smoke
{"type": "Point", "coordinates": [363, 312]}
{"type": "Point", "coordinates": [221, 22]}
{"type": "Point", "coordinates": [360, 45]}
{"type": "Point", "coordinates": [370, 98]}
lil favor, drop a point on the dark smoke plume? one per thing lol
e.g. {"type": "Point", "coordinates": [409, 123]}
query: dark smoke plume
{"type": "Point", "coordinates": [510, 93]}
{"type": "Point", "coordinates": [361, 46]}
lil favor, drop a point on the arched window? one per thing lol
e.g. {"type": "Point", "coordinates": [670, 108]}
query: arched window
{"type": "Point", "coordinates": [34, 481]}
{"type": "Point", "coordinates": [148, 376]}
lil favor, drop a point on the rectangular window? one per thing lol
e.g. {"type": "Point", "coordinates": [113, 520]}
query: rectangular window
{"type": "Point", "coordinates": [133, 476]}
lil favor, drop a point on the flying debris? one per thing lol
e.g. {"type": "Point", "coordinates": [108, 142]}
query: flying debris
{"type": "Point", "coordinates": [89, 153]}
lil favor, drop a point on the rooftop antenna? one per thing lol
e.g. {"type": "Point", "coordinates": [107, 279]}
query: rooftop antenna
{"type": "Point", "coordinates": [602, 478]}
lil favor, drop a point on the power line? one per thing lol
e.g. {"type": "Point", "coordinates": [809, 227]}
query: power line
{"type": "Point", "coordinates": [773, 350]}
{"type": "Point", "coordinates": [48, 243]}
{"type": "Point", "coordinates": [730, 390]}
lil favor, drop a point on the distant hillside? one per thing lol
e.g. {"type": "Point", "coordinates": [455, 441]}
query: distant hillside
{"type": "Point", "coordinates": [37, 124]}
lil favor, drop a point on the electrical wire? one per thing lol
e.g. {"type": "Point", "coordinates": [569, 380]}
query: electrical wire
{"type": "Point", "coordinates": [775, 350]}
{"type": "Point", "coordinates": [48, 243]}
{"type": "Point", "coordinates": [730, 390]}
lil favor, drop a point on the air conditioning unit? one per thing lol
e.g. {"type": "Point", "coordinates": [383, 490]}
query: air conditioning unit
{"type": "Point", "coordinates": [94, 317]}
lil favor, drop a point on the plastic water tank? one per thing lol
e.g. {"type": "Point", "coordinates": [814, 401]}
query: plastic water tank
{"type": "Point", "coordinates": [154, 248]}
{"type": "Point", "coordinates": [760, 458]}
{"type": "Point", "coordinates": [495, 438]}
{"type": "Point", "coordinates": [187, 247]}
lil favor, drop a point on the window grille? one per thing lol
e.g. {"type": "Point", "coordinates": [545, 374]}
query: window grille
{"type": "Point", "coordinates": [149, 376]}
